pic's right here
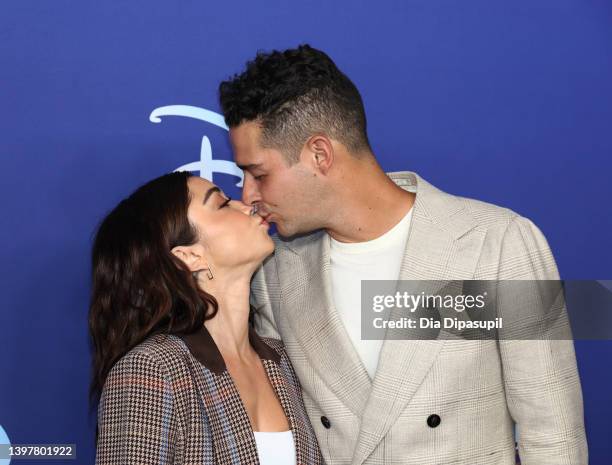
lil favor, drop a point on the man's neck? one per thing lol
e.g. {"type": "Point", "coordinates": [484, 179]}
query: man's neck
{"type": "Point", "coordinates": [370, 210]}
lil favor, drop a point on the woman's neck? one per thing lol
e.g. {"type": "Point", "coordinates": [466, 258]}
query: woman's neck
{"type": "Point", "coordinates": [229, 328]}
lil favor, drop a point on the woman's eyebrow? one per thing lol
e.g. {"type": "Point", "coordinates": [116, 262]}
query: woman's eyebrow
{"type": "Point", "coordinates": [210, 192]}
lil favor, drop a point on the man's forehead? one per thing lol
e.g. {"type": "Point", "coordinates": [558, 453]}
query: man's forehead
{"type": "Point", "coordinates": [245, 143]}
{"type": "Point", "coordinates": [246, 133]}
{"type": "Point", "coordinates": [248, 159]}
{"type": "Point", "coordinates": [249, 154]}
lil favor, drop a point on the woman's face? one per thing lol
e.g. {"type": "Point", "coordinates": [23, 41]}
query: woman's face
{"type": "Point", "coordinates": [229, 236]}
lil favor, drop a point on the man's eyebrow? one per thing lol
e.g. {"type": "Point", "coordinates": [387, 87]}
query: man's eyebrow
{"type": "Point", "coordinates": [210, 192]}
{"type": "Point", "coordinates": [249, 166]}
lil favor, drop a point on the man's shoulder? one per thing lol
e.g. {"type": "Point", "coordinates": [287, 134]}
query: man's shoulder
{"type": "Point", "coordinates": [486, 214]}
{"type": "Point", "coordinates": [442, 206]}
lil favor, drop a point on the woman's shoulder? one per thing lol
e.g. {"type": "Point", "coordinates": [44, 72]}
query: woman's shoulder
{"type": "Point", "coordinates": [160, 354]}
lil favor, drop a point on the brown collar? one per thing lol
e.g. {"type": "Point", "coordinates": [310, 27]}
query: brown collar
{"type": "Point", "coordinates": [203, 348]}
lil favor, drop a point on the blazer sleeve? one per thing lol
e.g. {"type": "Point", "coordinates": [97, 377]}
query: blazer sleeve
{"type": "Point", "coordinates": [540, 375]}
{"type": "Point", "coordinates": [265, 298]}
{"type": "Point", "coordinates": [136, 415]}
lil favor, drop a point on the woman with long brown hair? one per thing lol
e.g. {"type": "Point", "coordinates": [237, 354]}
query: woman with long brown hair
{"type": "Point", "coordinates": [179, 374]}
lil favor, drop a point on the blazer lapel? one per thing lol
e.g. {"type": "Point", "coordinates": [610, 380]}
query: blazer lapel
{"type": "Point", "coordinates": [233, 438]}
{"type": "Point", "coordinates": [307, 303]}
{"type": "Point", "coordinates": [230, 427]}
{"type": "Point", "coordinates": [440, 233]}
{"type": "Point", "coordinates": [285, 393]}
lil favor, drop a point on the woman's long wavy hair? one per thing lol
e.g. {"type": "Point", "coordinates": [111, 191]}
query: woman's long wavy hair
{"type": "Point", "coordinates": [139, 287]}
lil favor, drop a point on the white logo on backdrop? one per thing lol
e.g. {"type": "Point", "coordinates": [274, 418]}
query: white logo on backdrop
{"type": "Point", "coordinates": [4, 439]}
{"type": "Point", "coordinates": [206, 165]}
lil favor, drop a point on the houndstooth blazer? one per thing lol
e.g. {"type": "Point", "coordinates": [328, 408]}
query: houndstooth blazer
{"type": "Point", "coordinates": [431, 401]}
{"type": "Point", "coordinates": [171, 400]}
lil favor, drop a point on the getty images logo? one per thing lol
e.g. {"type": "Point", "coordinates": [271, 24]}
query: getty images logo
{"type": "Point", "coordinates": [207, 165]}
{"type": "Point", "coordinates": [4, 443]}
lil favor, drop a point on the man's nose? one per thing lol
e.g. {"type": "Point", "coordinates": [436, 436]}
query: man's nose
{"type": "Point", "coordinates": [247, 210]}
{"type": "Point", "coordinates": [250, 192]}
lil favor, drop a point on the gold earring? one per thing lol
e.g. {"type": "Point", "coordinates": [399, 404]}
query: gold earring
{"type": "Point", "coordinates": [209, 274]}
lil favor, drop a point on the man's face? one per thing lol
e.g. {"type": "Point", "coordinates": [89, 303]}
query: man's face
{"type": "Point", "coordinates": [286, 195]}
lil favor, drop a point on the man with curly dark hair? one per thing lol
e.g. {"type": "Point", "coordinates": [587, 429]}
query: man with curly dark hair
{"type": "Point", "coordinates": [298, 130]}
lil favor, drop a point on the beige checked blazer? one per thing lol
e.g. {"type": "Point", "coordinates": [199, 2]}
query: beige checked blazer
{"type": "Point", "coordinates": [431, 402]}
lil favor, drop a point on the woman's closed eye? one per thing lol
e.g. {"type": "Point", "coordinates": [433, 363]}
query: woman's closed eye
{"type": "Point", "coordinates": [225, 203]}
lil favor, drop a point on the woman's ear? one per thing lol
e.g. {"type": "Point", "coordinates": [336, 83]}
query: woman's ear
{"type": "Point", "coordinates": [192, 256]}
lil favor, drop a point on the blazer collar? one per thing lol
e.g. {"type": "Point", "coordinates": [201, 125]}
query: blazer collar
{"type": "Point", "coordinates": [202, 346]}
{"type": "Point", "coordinates": [446, 211]}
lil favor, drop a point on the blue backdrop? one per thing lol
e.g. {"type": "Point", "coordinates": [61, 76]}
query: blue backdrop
{"type": "Point", "coordinates": [508, 102]}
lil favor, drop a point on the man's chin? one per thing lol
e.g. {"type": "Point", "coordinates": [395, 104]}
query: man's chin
{"type": "Point", "coordinates": [288, 233]}
{"type": "Point", "coordinates": [283, 230]}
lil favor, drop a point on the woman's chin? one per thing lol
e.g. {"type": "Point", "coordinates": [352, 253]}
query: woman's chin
{"type": "Point", "coordinates": [269, 246]}
{"type": "Point", "coordinates": [262, 248]}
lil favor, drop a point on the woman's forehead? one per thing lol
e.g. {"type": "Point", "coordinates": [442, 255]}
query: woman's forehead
{"type": "Point", "coordinates": [198, 184]}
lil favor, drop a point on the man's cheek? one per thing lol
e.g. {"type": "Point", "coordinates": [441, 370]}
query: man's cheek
{"type": "Point", "coordinates": [268, 196]}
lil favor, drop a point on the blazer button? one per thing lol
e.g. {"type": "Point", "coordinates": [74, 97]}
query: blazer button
{"type": "Point", "coordinates": [326, 422]}
{"type": "Point", "coordinates": [433, 420]}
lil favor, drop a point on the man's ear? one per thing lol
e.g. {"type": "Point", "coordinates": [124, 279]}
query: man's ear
{"type": "Point", "coordinates": [321, 153]}
{"type": "Point", "coordinates": [192, 256]}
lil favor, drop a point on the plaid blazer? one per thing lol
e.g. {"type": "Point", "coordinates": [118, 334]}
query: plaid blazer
{"type": "Point", "coordinates": [431, 401]}
{"type": "Point", "coordinates": [172, 400]}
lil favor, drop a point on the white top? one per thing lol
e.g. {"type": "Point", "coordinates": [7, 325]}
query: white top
{"type": "Point", "coordinates": [275, 448]}
{"type": "Point", "coordinates": [378, 259]}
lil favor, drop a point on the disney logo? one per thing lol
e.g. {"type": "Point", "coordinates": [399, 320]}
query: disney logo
{"type": "Point", "coordinates": [4, 447]}
{"type": "Point", "coordinates": [206, 165]}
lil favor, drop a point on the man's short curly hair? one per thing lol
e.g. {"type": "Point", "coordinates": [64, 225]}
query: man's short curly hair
{"type": "Point", "coordinates": [295, 94]}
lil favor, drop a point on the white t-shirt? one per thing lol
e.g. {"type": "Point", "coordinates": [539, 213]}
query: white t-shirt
{"type": "Point", "coordinates": [275, 448]}
{"type": "Point", "coordinates": [378, 259]}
